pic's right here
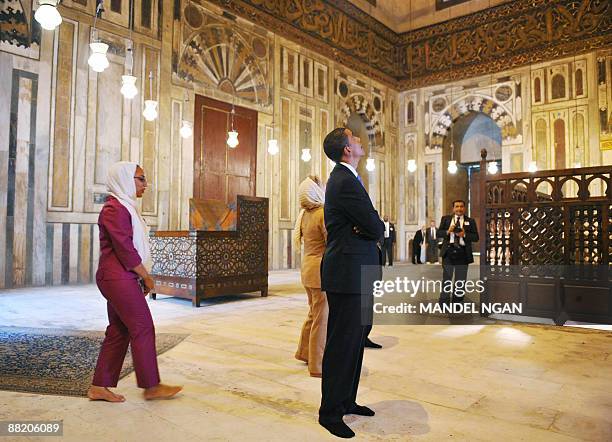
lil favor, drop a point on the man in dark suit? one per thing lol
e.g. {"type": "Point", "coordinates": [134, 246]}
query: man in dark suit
{"type": "Point", "coordinates": [353, 229]}
{"type": "Point", "coordinates": [417, 243]}
{"type": "Point", "coordinates": [388, 241]}
{"type": "Point", "coordinates": [458, 232]}
{"type": "Point", "coordinates": [432, 243]}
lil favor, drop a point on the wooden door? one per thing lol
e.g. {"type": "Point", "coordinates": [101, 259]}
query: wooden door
{"type": "Point", "coordinates": [220, 172]}
{"type": "Point", "coordinates": [559, 128]}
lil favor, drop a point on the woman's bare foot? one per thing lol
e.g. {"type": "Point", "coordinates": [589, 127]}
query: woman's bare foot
{"type": "Point", "coordinates": [161, 391]}
{"type": "Point", "coordinates": [96, 393]}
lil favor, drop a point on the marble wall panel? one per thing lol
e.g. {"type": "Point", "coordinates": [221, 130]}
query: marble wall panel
{"type": "Point", "coordinates": [150, 136]}
{"type": "Point", "coordinates": [85, 253]}
{"type": "Point", "coordinates": [285, 159]}
{"type": "Point", "coordinates": [176, 151]}
{"type": "Point", "coordinates": [61, 150]}
{"type": "Point", "coordinates": [6, 80]}
{"type": "Point", "coordinates": [22, 161]}
{"type": "Point", "coordinates": [56, 253]}
{"type": "Point", "coordinates": [109, 121]}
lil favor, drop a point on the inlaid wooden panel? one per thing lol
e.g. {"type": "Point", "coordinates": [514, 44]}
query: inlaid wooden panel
{"type": "Point", "coordinates": [289, 70]}
{"type": "Point", "coordinates": [559, 146]}
{"type": "Point", "coordinates": [61, 151]}
{"type": "Point", "coordinates": [146, 17]}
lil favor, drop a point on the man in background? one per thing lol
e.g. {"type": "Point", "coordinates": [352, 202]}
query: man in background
{"type": "Point", "coordinates": [388, 242]}
{"type": "Point", "coordinates": [418, 246]}
{"type": "Point", "coordinates": [458, 232]}
{"type": "Point", "coordinates": [432, 243]}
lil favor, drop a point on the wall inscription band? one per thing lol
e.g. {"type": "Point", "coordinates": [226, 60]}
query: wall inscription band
{"type": "Point", "coordinates": [499, 38]}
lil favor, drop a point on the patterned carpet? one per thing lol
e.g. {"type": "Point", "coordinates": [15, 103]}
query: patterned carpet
{"type": "Point", "coordinates": [60, 362]}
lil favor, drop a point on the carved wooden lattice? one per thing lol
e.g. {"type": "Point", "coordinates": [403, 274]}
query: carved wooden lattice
{"type": "Point", "coordinates": [200, 264]}
{"type": "Point", "coordinates": [238, 255]}
{"type": "Point", "coordinates": [550, 217]}
{"type": "Point", "coordinates": [586, 235]}
{"type": "Point", "coordinates": [548, 242]}
{"type": "Point", "coordinates": [216, 254]}
{"type": "Point", "coordinates": [499, 236]}
{"type": "Point", "coordinates": [540, 231]}
{"type": "Point", "coordinates": [174, 256]}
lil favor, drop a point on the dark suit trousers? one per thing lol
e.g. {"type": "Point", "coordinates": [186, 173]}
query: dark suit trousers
{"type": "Point", "coordinates": [343, 355]}
{"type": "Point", "coordinates": [455, 263]}
{"type": "Point", "coordinates": [387, 252]}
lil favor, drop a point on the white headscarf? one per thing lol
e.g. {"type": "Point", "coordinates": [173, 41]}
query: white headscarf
{"type": "Point", "coordinates": [311, 196]}
{"type": "Point", "coordinates": [120, 184]}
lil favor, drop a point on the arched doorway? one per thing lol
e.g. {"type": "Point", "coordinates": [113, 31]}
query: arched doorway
{"type": "Point", "coordinates": [470, 133]}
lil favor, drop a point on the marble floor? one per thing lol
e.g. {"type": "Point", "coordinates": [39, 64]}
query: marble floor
{"type": "Point", "coordinates": [514, 382]}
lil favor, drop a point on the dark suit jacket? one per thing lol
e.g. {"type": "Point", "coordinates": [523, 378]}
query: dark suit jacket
{"type": "Point", "coordinates": [418, 238]}
{"type": "Point", "coordinates": [429, 236]}
{"type": "Point", "coordinates": [348, 205]}
{"type": "Point", "coordinates": [471, 235]}
{"type": "Point", "coordinates": [391, 232]}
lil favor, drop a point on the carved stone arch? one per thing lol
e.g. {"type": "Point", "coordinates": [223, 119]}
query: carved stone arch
{"type": "Point", "coordinates": [219, 57]}
{"type": "Point", "coordinates": [358, 104]}
{"type": "Point", "coordinates": [503, 117]}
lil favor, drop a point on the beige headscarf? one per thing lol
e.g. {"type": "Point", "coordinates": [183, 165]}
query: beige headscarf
{"type": "Point", "coordinates": [120, 184]}
{"type": "Point", "coordinates": [311, 196]}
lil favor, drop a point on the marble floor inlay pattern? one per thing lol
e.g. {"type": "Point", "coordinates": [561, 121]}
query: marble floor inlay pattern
{"type": "Point", "coordinates": [430, 382]}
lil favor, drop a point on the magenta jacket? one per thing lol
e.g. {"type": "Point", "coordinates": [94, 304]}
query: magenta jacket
{"type": "Point", "coordinates": [117, 252]}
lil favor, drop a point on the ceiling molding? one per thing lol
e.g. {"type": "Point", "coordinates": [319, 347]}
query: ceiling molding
{"type": "Point", "coordinates": [503, 37]}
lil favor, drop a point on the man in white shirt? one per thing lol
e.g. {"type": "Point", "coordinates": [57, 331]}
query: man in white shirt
{"type": "Point", "coordinates": [388, 241]}
{"type": "Point", "coordinates": [458, 232]}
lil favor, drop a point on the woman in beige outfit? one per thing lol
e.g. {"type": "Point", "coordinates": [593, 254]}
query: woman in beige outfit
{"type": "Point", "coordinates": [311, 228]}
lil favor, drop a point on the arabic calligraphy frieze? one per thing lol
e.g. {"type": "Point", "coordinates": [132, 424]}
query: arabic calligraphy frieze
{"type": "Point", "coordinates": [495, 39]}
{"type": "Point", "coordinates": [503, 37]}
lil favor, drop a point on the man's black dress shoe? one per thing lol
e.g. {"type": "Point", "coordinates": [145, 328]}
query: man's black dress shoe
{"type": "Point", "coordinates": [337, 428]}
{"type": "Point", "coordinates": [361, 410]}
{"type": "Point", "coordinates": [370, 344]}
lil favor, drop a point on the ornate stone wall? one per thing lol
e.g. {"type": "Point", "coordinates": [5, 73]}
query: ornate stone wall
{"type": "Point", "coordinates": [496, 39]}
{"type": "Point", "coordinates": [64, 124]}
{"type": "Point", "coordinates": [555, 113]}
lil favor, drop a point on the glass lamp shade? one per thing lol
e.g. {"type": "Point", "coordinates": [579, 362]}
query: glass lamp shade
{"type": "Point", "coordinates": [412, 166]}
{"type": "Point", "coordinates": [533, 167]}
{"type": "Point", "coordinates": [492, 167]}
{"type": "Point", "coordinates": [272, 147]}
{"type": "Point", "coordinates": [97, 59]}
{"type": "Point", "coordinates": [128, 86]}
{"type": "Point", "coordinates": [47, 15]}
{"type": "Point", "coordinates": [452, 166]}
{"type": "Point", "coordinates": [150, 110]}
{"type": "Point", "coordinates": [370, 164]}
{"type": "Point", "coordinates": [232, 139]}
{"type": "Point", "coordinates": [306, 157]}
{"type": "Point", "coordinates": [186, 131]}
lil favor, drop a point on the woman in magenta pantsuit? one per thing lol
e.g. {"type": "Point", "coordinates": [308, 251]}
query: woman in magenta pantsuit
{"type": "Point", "coordinates": [124, 259]}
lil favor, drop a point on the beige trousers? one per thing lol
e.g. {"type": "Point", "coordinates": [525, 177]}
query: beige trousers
{"type": "Point", "coordinates": [314, 331]}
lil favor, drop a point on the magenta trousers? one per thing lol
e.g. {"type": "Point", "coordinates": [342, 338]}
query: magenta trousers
{"type": "Point", "coordinates": [130, 322]}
